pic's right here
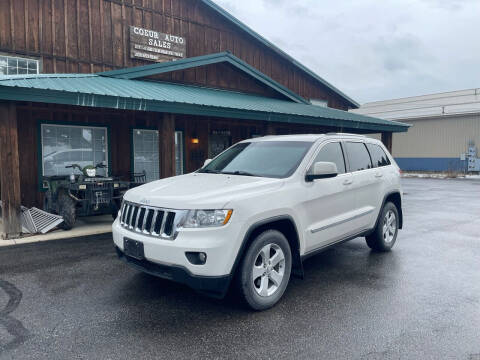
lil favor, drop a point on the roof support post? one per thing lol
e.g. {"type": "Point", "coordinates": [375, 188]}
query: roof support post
{"type": "Point", "coordinates": [9, 171]}
{"type": "Point", "coordinates": [167, 141]}
{"type": "Point", "coordinates": [387, 140]}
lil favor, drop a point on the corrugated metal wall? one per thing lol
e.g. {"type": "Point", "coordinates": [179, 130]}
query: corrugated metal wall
{"type": "Point", "coordinates": [443, 137]}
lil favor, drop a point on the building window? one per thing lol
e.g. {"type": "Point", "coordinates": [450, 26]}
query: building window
{"type": "Point", "coordinates": [66, 145]}
{"type": "Point", "coordinates": [179, 153]}
{"type": "Point", "coordinates": [319, 102]}
{"type": "Point", "coordinates": [146, 153]}
{"type": "Point", "coordinates": [10, 65]}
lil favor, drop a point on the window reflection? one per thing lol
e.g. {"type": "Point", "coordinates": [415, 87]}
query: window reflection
{"type": "Point", "coordinates": [66, 145]}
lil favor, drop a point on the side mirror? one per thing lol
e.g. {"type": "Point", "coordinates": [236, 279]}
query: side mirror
{"type": "Point", "coordinates": [322, 170]}
{"type": "Point", "coordinates": [208, 161]}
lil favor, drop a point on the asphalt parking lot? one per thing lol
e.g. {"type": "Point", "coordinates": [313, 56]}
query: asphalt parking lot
{"type": "Point", "coordinates": [74, 299]}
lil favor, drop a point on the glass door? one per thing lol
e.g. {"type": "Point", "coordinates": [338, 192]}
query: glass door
{"type": "Point", "coordinates": [146, 153]}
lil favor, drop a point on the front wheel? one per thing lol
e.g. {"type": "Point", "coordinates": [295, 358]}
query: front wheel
{"type": "Point", "coordinates": [265, 270]}
{"type": "Point", "coordinates": [385, 234]}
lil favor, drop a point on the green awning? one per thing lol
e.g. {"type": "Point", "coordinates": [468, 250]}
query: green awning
{"type": "Point", "coordinates": [107, 92]}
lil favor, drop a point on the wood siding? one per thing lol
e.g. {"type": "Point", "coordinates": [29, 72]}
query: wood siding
{"type": "Point", "coordinates": [222, 76]}
{"type": "Point", "coordinates": [93, 35]}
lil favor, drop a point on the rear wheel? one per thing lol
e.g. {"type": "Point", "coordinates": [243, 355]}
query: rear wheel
{"type": "Point", "coordinates": [385, 234]}
{"type": "Point", "coordinates": [66, 209]}
{"type": "Point", "coordinates": [265, 270]}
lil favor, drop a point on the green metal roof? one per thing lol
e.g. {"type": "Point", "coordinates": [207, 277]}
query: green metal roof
{"type": "Point", "coordinates": [218, 9]}
{"type": "Point", "coordinates": [99, 91]}
{"type": "Point", "coordinates": [222, 57]}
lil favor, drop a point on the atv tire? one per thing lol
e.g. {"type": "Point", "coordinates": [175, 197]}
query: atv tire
{"type": "Point", "coordinates": [115, 207]}
{"type": "Point", "coordinates": [66, 209]}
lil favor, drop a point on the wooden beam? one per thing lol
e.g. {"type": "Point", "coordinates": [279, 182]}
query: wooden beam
{"type": "Point", "coordinates": [9, 171]}
{"type": "Point", "coordinates": [167, 147]}
{"type": "Point", "coordinates": [387, 140]}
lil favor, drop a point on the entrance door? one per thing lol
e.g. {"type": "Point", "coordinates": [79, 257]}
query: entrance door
{"type": "Point", "coordinates": [217, 142]}
{"type": "Point", "coordinates": [146, 153]}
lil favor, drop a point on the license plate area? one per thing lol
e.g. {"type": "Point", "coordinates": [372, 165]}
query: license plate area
{"type": "Point", "coordinates": [133, 248]}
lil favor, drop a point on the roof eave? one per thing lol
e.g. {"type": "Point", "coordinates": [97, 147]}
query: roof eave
{"type": "Point", "coordinates": [188, 63]}
{"type": "Point", "coordinates": [123, 103]}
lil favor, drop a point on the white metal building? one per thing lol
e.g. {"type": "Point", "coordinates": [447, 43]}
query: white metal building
{"type": "Point", "coordinates": [445, 125]}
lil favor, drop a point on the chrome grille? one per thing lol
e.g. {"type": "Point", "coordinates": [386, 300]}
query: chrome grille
{"type": "Point", "coordinates": [150, 220]}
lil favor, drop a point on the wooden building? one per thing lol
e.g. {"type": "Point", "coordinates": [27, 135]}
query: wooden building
{"type": "Point", "coordinates": [154, 85]}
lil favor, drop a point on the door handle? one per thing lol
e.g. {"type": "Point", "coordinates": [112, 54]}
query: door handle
{"type": "Point", "coordinates": [378, 175]}
{"type": "Point", "coordinates": [347, 182]}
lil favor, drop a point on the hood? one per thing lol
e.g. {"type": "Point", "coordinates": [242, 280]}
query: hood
{"type": "Point", "coordinates": [200, 190]}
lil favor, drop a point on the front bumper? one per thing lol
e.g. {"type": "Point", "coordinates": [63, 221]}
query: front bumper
{"type": "Point", "coordinates": [221, 245]}
{"type": "Point", "coordinates": [215, 286]}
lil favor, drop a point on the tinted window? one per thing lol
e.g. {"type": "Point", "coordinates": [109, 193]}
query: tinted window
{"type": "Point", "coordinates": [358, 156]}
{"type": "Point", "coordinates": [332, 153]}
{"type": "Point", "coordinates": [276, 159]}
{"type": "Point", "coordinates": [379, 158]}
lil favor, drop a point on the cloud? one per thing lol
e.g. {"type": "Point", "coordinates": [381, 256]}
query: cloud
{"type": "Point", "coordinates": [374, 50]}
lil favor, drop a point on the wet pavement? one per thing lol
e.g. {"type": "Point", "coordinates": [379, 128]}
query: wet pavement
{"type": "Point", "coordinates": [74, 299]}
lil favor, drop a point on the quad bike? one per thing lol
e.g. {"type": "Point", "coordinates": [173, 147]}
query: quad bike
{"type": "Point", "coordinates": [86, 194]}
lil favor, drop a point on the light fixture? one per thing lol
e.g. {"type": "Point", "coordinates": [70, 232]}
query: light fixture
{"type": "Point", "coordinates": [195, 140]}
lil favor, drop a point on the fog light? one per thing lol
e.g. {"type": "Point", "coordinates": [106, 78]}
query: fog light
{"type": "Point", "coordinates": [196, 258]}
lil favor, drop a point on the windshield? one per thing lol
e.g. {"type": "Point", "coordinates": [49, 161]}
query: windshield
{"type": "Point", "coordinates": [275, 159]}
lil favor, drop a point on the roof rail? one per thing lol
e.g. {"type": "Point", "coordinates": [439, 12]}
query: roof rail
{"type": "Point", "coordinates": [348, 134]}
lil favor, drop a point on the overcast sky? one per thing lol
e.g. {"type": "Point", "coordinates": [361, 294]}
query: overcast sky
{"type": "Point", "coordinates": [375, 49]}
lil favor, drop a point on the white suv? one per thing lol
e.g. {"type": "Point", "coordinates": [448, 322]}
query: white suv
{"type": "Point", "coordinates": [257, 210]}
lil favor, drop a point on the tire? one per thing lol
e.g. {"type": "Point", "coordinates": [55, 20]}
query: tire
{"type": "Point", "coordinates": [267, 288]}
{"type": "Point", "coordinates": [66, 209]}
{"type": "Point", "coordinates": [384, 235]}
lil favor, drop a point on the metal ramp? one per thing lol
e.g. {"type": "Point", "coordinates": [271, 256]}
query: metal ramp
{"type": "Point", "coordinates": [36, 221]}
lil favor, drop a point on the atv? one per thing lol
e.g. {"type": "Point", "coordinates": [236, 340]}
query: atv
{"type": "Point", "coordinates": [85, 194]}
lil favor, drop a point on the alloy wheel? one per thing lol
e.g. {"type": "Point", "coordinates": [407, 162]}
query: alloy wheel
{"type": "Point", "coordinates": [389, 226]}
{"type": "Point", "coordinates": [268, 270]}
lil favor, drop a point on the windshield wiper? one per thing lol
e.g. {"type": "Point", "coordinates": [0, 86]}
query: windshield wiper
{"type": "Point", "coordinates": [238, 172]}
{"type": "Point", "coordinates": [208, 171]}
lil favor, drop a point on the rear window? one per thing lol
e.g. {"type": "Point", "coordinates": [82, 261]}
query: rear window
{"type": "Point", "coordinates": [358, 156]}
{"type": "Point", "coordinates": [379, 157]}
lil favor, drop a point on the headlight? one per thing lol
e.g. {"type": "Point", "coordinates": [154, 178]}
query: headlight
{"type": "Point", "coordinates": [91, 172]}
{"type": "Point", "coordinates": [207, 218]}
